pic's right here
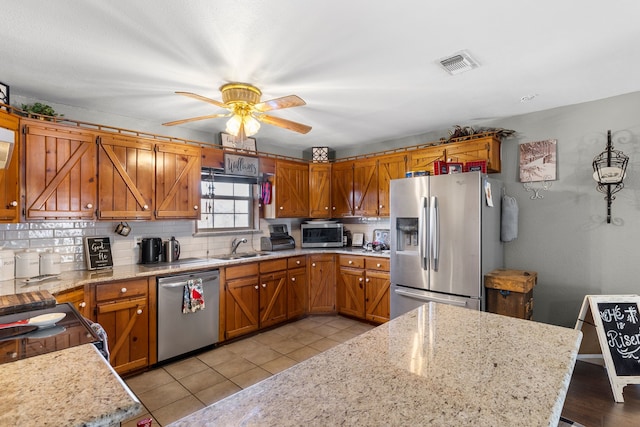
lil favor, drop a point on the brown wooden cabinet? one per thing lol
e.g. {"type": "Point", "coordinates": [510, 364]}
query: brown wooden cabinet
{"type": "Point", "coordinates": [241, 300]}
{"type": "Point", "coordinates": [342, 189]}
{"type": "Point", "coordinates": [363, 287]}
{"type": "Point", "coordinates": [485, 148]}
{"type": "Point", "coordinates": [389, 167]}
{"type": "Point", "coordinates": [9, 188]}
{"type": "Point", "coordinates": [296, 286]}
{"type": "Point", "coordinates": [177, 181]}
{"type": "Point", "coordinates": [126, 169]}
{"type": "Point", "coordinates": [79, 298]}
{"type": "Point", "coordinates": [60, 171]}
{"type": "Point", "coordinates": [291, 189]}
{"type": "Point", "coordinates": [322, 283]}
{"type": "Point", "coordinates": [422, 159]}
{"type": "Point", "coordinates": [122, 308]}
{"type": "Point", "coordinates": [320, 190]}
{"type": "Point", "coordinates": [273, 292]}
{"type": "Point", "coordinates": [365, 187]}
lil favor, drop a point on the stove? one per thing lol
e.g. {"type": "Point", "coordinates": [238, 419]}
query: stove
{"type": "Point", "coordinates": [71, 331]}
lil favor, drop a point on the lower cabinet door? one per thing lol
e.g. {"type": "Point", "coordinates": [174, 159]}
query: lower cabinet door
{"type": "Point", "coordinates": [273, 298]}
{"type": "Point", "coordinates": [241, 306]}
{"type": "Point", "coordinates": [377, 302]}
{"type": "Point", "coordinates": [296, 292]}
{"type": "Point", "coordinates": [126, 323]}
{"type": "Point", "coordinates": [350, 292]}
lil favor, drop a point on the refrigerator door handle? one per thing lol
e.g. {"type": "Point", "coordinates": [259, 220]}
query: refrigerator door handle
{"type": "Point", "coordinates": [422, 234]}
{"type": "Point", "coordinates": [434, 233]}
{"type": "Point", "coordinates": [420, 297]}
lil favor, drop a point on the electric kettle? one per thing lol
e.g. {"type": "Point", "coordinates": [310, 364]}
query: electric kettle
{"type": "Point", "coordinates": [150, 250]}
{"type": "Point", "coordinates": [171, 250]}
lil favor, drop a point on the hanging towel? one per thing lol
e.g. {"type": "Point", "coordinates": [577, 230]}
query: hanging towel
{"type": "Point", "coordinates": [265, 193]}
{"type": "Point", "coordinates": [193, 297]}
{"type": "Point", "coordinates": [509, 223]}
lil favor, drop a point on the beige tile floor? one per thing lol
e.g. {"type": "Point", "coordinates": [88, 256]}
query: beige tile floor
{"type": "Point", "coordinates": [175, 390]}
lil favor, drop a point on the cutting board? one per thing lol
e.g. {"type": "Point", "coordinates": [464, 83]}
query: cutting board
{"type": "Point", "coordinates": [34, 300]}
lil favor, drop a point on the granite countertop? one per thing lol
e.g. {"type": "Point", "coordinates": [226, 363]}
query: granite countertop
{"type": "Point", "coordinates": [437, 365]}
{"type": "Point", "coordinates": [73, 279]}
{"type": "Point", "coordinates": [70, 387]}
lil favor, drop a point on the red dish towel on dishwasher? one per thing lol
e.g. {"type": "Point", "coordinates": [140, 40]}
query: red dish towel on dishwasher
{"type": "Point", "coordinates": [193, 297]}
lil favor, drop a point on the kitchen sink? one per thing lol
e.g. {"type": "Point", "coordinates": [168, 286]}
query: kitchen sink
{"type": "Point", "coordinates": [239, 256]}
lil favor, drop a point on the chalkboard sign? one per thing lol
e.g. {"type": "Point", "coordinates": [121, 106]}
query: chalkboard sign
{"type": "Point", "coordinates": [97, 251]}
{"type": "Point", "coordinates": [616, 319]}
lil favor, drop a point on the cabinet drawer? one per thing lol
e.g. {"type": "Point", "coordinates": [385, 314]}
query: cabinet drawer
{"type": "Point", "coordinates": [128, 289]}
{"type": "Point", "coordinates": [296, 261]}
{"type": "Point", "coordinates": [351, 261]}
{"type": "Point", "coordinates": [242, 270]}
{"type": "Point", "coordinates": [377, 264]}
{"type": "Point", "coordinates": [273, 265]}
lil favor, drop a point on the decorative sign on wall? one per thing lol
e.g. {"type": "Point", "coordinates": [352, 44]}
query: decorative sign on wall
{"type": "Point", "coordinates": [538, 163]}
{"type": "Point", "coordinates": [4, 95]}
{"type": "Point", "coordinates": [235, 164]}
{"type": "Point", "coordinates": [616, 320]}
{"type": "Point", "coordinates": [97, 251]}
{"type": "Point", "coordinates": [231, 141]}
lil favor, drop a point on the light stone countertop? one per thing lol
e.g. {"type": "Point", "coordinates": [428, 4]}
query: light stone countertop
{"type": "Point", "coordinates": [73, 279]}
{"type": "Point", "coordinates": [71, 387]}
{"type": "Point", "coordinates": [438, 365]}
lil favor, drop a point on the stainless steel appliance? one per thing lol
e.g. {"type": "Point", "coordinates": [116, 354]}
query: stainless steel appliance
{"type": "Point", "coordinates": [279, 239]}
{"type": "Point", "coordinates": [444, 238]}
{"type": "Point", "coordinates": [180, 333]}
{"type": "Point", "coordinates": [322, 234]}
{"type": "Point", "coordinates": [171, 250]}
{"type": "Point", "coordinates": [150, 250]}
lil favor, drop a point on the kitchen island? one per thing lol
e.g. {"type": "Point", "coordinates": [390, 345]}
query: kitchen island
{"type": "Point", "coordinates": [437, 365]}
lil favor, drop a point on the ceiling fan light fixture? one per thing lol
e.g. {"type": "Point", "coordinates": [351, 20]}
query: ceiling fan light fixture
{"type": "Point", "coordinates": [250, 124]}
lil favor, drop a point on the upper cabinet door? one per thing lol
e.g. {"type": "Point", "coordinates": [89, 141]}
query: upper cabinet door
{"type": "Point", "coordinates": [320, 190]}
{"type": "Point", "coordinates": [292, 189]}
{"type": "Point", "coordinates": [177, 181]}
{"type": "Point", "coordinates": [9, 190]}
{"type": "Point", "coordinates": [60, 177]}
{"type": "Point", "coordinates": [342, 189]}
{"type": "Point", "coordinates": [365, 187]}
{"type": "Point", "coordinates": [126, 177]}
{"type": "Point", "coordinates": [389, 167]}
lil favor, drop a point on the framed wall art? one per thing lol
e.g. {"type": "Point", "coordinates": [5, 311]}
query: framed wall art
{"type": "Point", "coordinates": [4, 95]}
{"type": "Point", "coordinates": [538, 161]}
{"type": "Point", "coordinates": [227, 140]}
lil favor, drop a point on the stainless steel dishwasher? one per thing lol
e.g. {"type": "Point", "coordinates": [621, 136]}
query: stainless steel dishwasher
{"type": "Point", "coordinates": [180, 333]}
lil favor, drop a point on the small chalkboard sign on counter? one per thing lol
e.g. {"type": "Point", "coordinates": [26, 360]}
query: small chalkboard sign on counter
{"type": "Point", "coordinates": [97, 251]}
{"type": "Point", "coordinates": [616, 319]}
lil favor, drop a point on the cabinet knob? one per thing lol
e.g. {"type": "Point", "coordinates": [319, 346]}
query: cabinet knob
{"type": "Point", "coordinates": [326, 208]}
{"type": "Point", "coordinates": [195, 208]}
{"type": "Point", "coordinates": [145, 207]}
{"type": "Point", "coordinates": [350, 262]}
{"type": "Point", "coordinates": [298, 262]}
{"type": "Point", "coordinates": [367, 280]}
{"type": "Point", "coordinates": [293, 279]}
{"type": "Point", "coordinates": [257, 287]}
{"type": "Point", "coordinates": [378, 265]}
{"type": "Point", "coordinates": [281, 208]}
{"type": "Point", "coordinates": [359, 279]}
{"type": "Point", "coordinates": [139, 311]}
{"type": "Point", "coordinates": [313, 264]}
{"type": "Point", "coordinates": [381, 206]}
{"type": "Point", "coordinates": [82, 304]}
{"type": "Point", "coordinates": [123, 290]}
{"type": "Point", "coordinates": [13, 204]}
{"type": "Point", "coordinates": [264, 285]}
{"type": "Point", "coordinates": [89, 206]}
{"type": "Point", "coordinates": [334, 208]}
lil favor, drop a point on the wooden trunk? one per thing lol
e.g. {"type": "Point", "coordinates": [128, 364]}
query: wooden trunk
{"type": "Point", "coordinates": [510, 292]}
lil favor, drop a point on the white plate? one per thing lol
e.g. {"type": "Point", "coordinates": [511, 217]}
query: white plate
{"type": "Point", "coordinates": [46, 332]}
{"type": "Point", "coordinates": [46, 320]}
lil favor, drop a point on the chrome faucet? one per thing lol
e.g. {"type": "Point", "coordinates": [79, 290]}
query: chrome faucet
{"type": "Point", "coordinates": [236, 242]}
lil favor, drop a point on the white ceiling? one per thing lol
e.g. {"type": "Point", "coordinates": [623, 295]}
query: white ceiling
{"type": "Point", "coordinates": [368, 69]}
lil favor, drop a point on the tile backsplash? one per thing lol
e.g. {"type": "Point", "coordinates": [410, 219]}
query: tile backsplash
{"type": "Point", "coordinates": [67, 238]}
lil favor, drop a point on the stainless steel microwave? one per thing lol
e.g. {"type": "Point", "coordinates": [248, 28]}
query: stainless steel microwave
{"type": "Point", "coordinates": [322, 234]}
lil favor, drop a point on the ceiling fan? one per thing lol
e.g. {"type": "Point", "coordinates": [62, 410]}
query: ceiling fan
{"type": "Point", "coordinates": [246, 111]}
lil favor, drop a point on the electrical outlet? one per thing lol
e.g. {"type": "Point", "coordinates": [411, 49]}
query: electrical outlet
{"type": "Point", "coordinates": [137, 240]}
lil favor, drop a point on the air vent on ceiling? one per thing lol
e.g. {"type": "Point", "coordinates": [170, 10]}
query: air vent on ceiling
{"type": "Point", "coordinates": [458, 63]}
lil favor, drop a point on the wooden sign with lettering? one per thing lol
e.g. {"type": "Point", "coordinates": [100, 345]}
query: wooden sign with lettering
{"type": "Point", "coordinates": [97, 251]}
{"type": "Point", "coordinates": [616, 320]}
{"type": "Point", "coordinates": [241, 165]}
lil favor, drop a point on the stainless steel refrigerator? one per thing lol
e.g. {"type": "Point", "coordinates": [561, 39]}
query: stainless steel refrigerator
{"type": "Point", "coordinates": [444, 238]}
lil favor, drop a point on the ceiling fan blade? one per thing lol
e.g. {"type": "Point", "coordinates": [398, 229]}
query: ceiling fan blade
{"type": "Point", "coordinates": [193, 119]}
{"type": "Point", "coordinates": [280, 103]}
{"type": "Point", "coordinates": [283, 123]}
{"type": "Point", "coordinates": [203, 98]}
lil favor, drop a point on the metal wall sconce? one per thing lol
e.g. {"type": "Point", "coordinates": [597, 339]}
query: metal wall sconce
{"type": "Point", "coordinates": [609, 168]}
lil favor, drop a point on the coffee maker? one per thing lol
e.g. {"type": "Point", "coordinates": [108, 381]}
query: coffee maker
{"type": "Point", "coordinates": [150, 250]}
